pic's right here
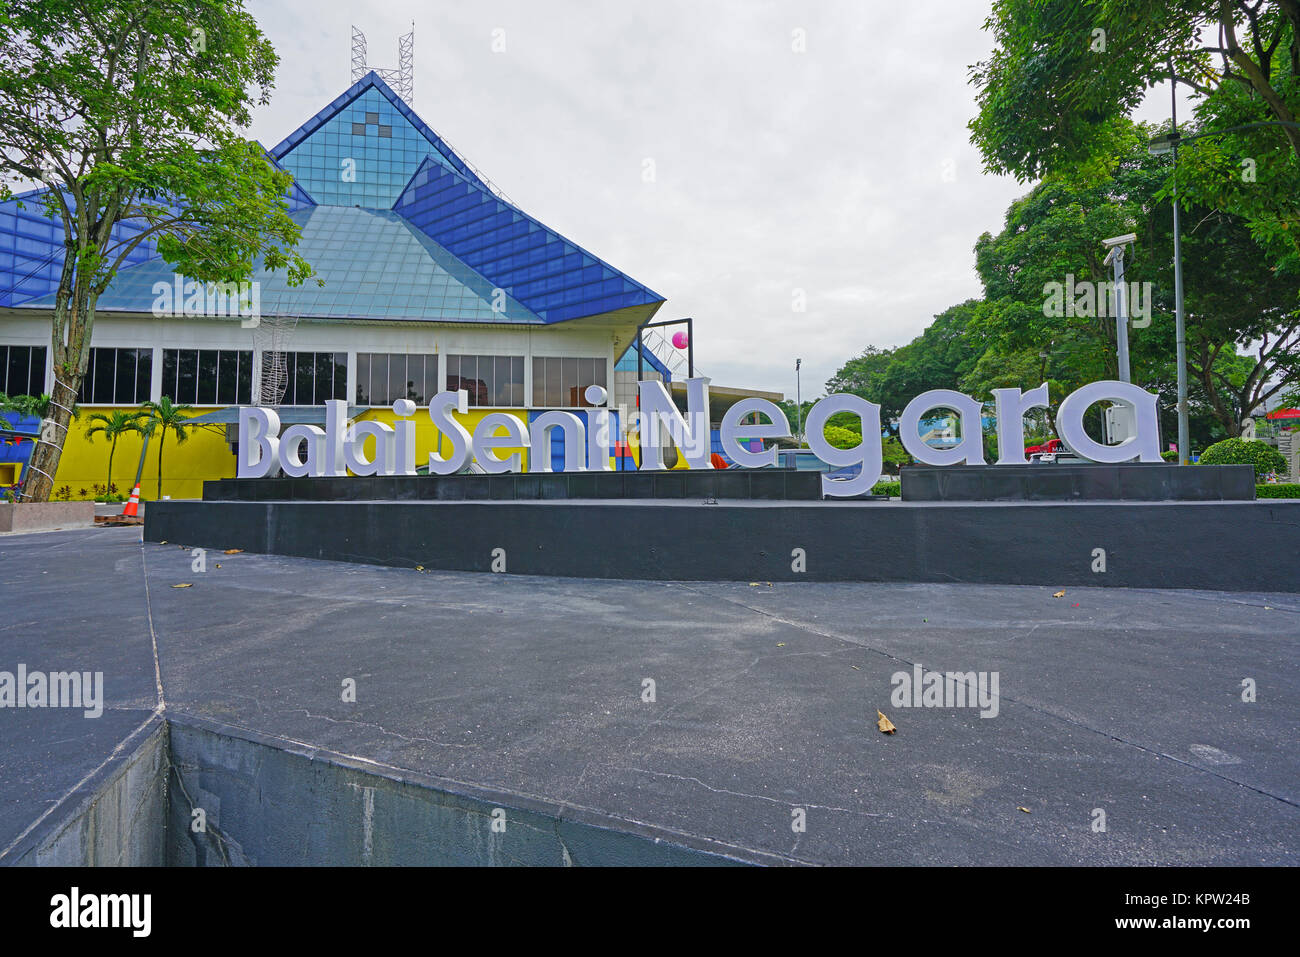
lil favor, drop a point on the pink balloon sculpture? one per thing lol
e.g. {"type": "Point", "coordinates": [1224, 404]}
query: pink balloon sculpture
{"type": "Point", "coordinates": [681, 340]}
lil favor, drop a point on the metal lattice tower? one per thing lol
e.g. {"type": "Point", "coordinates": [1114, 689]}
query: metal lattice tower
{"type": "Point", "coordinates": [358, 54]}
{"type": "Point", "coordinates": [270, 337]}
{"type": "Point", "coordinates": [402, 80]}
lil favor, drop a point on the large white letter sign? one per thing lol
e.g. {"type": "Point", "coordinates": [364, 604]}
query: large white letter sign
{"type": "Point", "coordinates": [336, 427]}
{"type": "Point", "coordinates": [867, 453]}
{"type": "Point", "coordinates": [1012, 404]}
{"type": "Point", "coordinates": [385, 458]}
{"type": "Point", "coordinates": [404, 438]}
{"type": "Point", "coordinates": [1143, 446]}
{"type": "Point", "coordinates": [657, 409]}
{"type": "Point", "coordinates": [539, 433]}
{"type": "Point", "coordinates": [440, 409]}
{"type": "Point", "coordinates": [971, 447]}
{"type": "Point", "coordinates": [486, 441]}
{"type": "Point", "coordinates": [259, 443]}
{"type": "Point", "coordinates": [599, 434]}
{"type": "Point", "coordinates": [293, 464]}
{"type": "Point", "coordinates": [731, 432]}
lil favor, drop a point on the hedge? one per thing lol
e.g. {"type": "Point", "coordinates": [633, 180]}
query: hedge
{"type": "Point", "coordinates": [892, 489]}
{"type": "Point", "coordinates": [1281, 490]}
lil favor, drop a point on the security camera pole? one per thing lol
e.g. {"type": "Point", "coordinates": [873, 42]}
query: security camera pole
{"type": "Point", "coordinates": [1115, 259]}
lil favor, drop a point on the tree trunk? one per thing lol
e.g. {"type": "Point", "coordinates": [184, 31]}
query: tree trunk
{"type": "Point", "coordinates": [162, 440]}
{"type": "Point", "coordinates": [38, 483]}
{"type": "Point", "coordinates": [74, 318]}
{"type": "Point", "coordinates": [108, 483]}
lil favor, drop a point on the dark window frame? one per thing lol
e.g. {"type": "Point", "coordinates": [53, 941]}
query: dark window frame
{"type": "Point", "coordinates": [231, 383]}
{"type": "Point", "coordinates": [558, 381]}
{"type": "Point", "coordinates": [32, 371]}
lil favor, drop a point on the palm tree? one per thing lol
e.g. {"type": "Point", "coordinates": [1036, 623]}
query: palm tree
{"type": "Point", "coordinates": [163, 414]}
{"type": "Point", "coordinates": [113, 425]}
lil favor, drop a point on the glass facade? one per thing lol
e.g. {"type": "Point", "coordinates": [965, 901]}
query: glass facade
{"type": "Point", "coordinates": [383, 378]}
{"type": "Point", "coordinates": [117, 377]}
{"type": "Point", "coordinates": [362, 156]}
{"type": "Point", "coordinates": [375, 266]}
{"type": "Point", "coordinates": [208, 376]}
{"type": "Point", "coordinates": [22, 370]}
{"type": "Point", "coordinates": [314, 377]}
{"type": "Point", "coordinates": [561, 382]}
{"type": "Point", "coordinates": [489, 380]}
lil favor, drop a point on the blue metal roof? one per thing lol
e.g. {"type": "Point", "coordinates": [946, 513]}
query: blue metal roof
{"type": "Point", "coordinates": [553, 276]}
{"type": "Point", "coordinates": [396, 224]}
{"type": "Point", "coordinates": [31, 248]}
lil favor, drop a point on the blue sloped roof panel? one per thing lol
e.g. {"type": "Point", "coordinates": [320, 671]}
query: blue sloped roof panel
{"type": "Point", "coordinates": [31, 244]}
{"type": "Point", "coordinates": [553, 276]}
{"type": "Point", "coordinates": [31, 248]}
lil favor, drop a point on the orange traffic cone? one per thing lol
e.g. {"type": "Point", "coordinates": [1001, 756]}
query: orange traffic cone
{"type": "Point", "coordinates": [133, 506]}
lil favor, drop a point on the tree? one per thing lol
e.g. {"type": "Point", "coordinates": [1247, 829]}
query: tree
{"type": "Point", "coordinates": [1063, 71]}
{"type": "Point", "coordinates": [130, 112]}
{"type": "Point", "coordinates": [891, 378]}
{"type": "Point", "coordinates": [1234, 297]}
{"type": "Point", "coordinates": [159, 417]}
{"type": "Point", "coordinates": [113, 426]}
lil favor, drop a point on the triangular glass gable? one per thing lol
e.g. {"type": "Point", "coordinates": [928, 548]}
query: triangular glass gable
{"type": "Point", "coordinates": [363, 148]}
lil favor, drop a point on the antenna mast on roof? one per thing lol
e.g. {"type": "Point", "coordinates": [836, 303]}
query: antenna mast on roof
{"type": "Point", "coordinates": [402, 82]}
{"type": "Point", "coordinates": [402, 79]}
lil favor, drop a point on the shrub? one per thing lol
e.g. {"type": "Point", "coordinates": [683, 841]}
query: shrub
{"type": "Point", "coordinates": [1277, 491]}
{"type": "Point", "coordinates": [894, 489]}
{"type": "Point", "coordinates": [842, 438]}
{"type": "Point", "coordinates": [1261, 455]}
{"type": "Point", "coordinates": [1169, 455]}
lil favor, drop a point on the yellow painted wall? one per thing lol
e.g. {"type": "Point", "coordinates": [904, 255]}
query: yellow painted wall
{"type": "Point", "coordinates": [205, 456]}
{"type": "Point", "coordinates": [84, 462]}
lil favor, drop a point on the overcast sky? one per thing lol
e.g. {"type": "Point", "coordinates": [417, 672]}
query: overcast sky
{"type": "Point", "coordinates": [843, 171]}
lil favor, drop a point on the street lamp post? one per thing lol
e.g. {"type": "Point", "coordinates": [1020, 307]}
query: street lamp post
{"type": "Point", "coordinates": [798, 400]}
{"type": "Point", "coordinates": [1159, 145]}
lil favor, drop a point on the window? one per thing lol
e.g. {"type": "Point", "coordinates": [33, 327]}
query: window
{"type": "Point", "coordinates": [561, 382]}
{"type": "Point", "coordinates": [208, 376]}
{"type": "Point", "coordinates": [22, 370]}
{"type": "Point", "coordinates": [383, 378]}
{"type": "Point", "coordinates": [314, 377]}
{"type": "Point", "coordinates": [489, 380]}
{"type": "Point", "coordinates": [117, 377]}
{"type": "Point", "coordinates": [358, 129]}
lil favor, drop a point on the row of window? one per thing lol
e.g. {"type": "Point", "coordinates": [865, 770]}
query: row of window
{"type": "Point", "coordinates": [117, 376]}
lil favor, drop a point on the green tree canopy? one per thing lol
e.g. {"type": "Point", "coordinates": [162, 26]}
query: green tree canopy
{"type": "Point", "coordinates": [132, 111]}
{"type": "Point", "coordinates": [1064, 71]}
